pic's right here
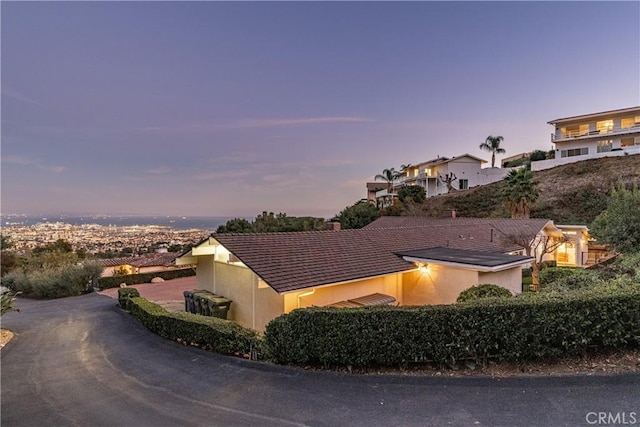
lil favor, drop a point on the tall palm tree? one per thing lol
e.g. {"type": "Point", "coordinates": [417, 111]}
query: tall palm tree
{"type": "Point", "coordinates": [492, 144]}
{"type": "Point", "coordinates": [519, 192]}
{"type": "Point", "coordinates": [388, 176]}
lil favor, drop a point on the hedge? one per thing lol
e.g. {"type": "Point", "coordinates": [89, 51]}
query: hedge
{"type": "Point", "coordinates": [124, 294]}
{"type": "Point", "coordinates": [209, 333]}
{"type": "Point", "coordinates": [134, 279]}
{"type": "Point", "coordinates": [515, 329]}
{"type": "Point", "coordinates": [486, 290]}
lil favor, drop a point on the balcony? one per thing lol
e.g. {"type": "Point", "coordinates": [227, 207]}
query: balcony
{"type": "Point", "coordinates": [616, 130]}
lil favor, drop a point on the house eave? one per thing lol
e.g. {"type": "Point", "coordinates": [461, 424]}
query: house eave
{"type": "Point", "coordinates": [474, 267]}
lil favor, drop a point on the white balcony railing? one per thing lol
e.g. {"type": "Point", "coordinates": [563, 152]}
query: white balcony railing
{"type": "Point", "coordinates": [616, 130]}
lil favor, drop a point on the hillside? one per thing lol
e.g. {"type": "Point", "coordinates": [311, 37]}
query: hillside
{"type": "Point", "coordinates": [573, 193]}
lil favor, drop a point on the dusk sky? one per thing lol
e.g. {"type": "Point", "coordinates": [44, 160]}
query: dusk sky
{"type": "Point", "coordinates": [229, 109]}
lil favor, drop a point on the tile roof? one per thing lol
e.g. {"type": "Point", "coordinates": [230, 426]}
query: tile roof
{"type": "Point", "coordinates": [299, 260]}
{"type": "Point", "coordinates": [147, 260]}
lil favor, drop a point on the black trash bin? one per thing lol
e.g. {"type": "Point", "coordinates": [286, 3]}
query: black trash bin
{"type": "Point", "coordinates": [219, 306]}
{"type": "Point", "coordinates": [189, 305]}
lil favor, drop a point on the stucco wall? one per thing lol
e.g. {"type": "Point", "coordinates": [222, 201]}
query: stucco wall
{"type": "Point", "coordinates": [252, 307]}
{"type": "Point", "coordinates": [510, 279]}
{"type": "Point", "coordinates": [388, 285]}
{"type": "Point", "coordinates": [204, 273]}
{"type": "Point", "coordinates": [437, 285]}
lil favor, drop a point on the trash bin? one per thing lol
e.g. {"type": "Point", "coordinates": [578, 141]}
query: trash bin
{"type": "Point", "coordinates": [189, 306]}
{"type": "Point", "coordinates": [219, 307]}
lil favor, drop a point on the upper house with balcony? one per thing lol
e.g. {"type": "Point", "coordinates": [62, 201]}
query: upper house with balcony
{"type": "Point", "coordinates": [615, 132]}
{"type": "Point", "coordinates": [464, 171]}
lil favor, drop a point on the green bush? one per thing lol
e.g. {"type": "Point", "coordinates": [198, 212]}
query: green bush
{"type": "Point", "coordinates": [483, 291]}
{"type": "Point", "coordinates": [7, 299]}
{"type": "Point", "coordinates": [58, 282]}
{"type": "Point", "coordinates": [135, 279]}
{"type": "Point", "coordinates": [210, 333]}
{"type": "Point", "coordinates": [626, 264]}
{"type": "Point", "coordinates": [124, 294]}
{"type": "Point", "coordinates": [567, 279]}
{"type": "Point", "coordinates": [515, 329]}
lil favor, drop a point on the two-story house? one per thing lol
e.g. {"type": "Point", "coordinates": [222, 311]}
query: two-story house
{"type": "Point", "coordinates": [607, 133]}
{"type": "Point", "coordinates": [441, 175]}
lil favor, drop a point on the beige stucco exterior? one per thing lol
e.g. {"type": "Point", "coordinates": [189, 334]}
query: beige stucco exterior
{"type": "Point", "coordinates": [255, 304]}
{"type": "Point", "coordinates": [321, 296]}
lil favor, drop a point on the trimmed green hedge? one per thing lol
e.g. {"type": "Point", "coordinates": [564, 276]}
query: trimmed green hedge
{"type": "Point", "coordinates": [134, 279]}
{"type": "Point", "coordinates": [515, 329]}
{"type": "Point", "coordinates": [209, 333]}
{"type": "Point", "coordinates": [124, 294]}
{"type": "Point", "coordinates": [486, 290]}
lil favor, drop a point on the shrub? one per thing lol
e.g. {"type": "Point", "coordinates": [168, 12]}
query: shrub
{"type": "Point", "coordinates": [135, 279]}
{"type": "Point", "coordinates": [209, 333]}
{"type": "Point", "coordinates": [124, 294]}
{"type": "Point", "coordinates": [54, 283]}
{"type": "Point", "coordinates": [567, 279]}
{"type": "Point", "coordinates": [483, 291]}
{"type": "Point", "coordinates": [514, 329]}
{"type": "Point", "coordinates": [7, 299]}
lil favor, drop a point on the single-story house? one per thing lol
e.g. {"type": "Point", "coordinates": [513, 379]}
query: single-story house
{"type": "Point", "coordinates": [148, 263]}
{"type": "Point", "coordinates": [268, 274]}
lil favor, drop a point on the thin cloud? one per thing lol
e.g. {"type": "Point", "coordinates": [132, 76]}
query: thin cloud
{"type": "Point", "coordinates": [33, 162]}
{"type": "Point", "coordinates": [158, 171]}
{"type": "Point", "coordinates": [257, 123]}
{"type": "Point", "coordinates": [14, 94]}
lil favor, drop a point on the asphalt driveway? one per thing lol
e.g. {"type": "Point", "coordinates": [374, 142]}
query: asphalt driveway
{"type": "Point", "coordinates": [82, 361]}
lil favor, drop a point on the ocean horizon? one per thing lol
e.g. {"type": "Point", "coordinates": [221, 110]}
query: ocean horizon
{"type": "Point", "coordinates": [176, 222]}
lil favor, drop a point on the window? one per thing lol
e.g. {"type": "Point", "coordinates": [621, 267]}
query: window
{"type": "Point", "coordinates": [605, 126]}
{"type": "Point", "coordinates": [427, 172]}
{"type": "Point", "coordinates": [605, 145]}
{"type": "Point", "coordinates": [629, 142]}
{"type": "Point", "coordinates": [574, 131]}
{"type": "Point", "coordinates": [628, 122]}
{"type": "Point", "coordinates": [464, 184]}
{"type": "Point", "coordinates": [574, 152]}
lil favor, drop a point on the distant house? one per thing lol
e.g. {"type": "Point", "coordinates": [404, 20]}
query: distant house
{"type": "Point", "coordinates": [397, 260]}
{"type": "Point", "coordinates": [148, 263]}
{"type": "Point", "coordinates": [588, 136]}
{"type": "Point", "coordinates": [466, 171]}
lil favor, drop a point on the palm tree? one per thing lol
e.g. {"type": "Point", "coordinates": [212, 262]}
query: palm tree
{"type": "Point", "coordinates": [492, 143]}
{"type": "Point", "coordinates": [519, 192]}
{"type": "Point", "coordinates": [388, 175]}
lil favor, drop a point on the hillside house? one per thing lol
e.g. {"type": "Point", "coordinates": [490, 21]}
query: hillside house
{"type": "Point", "coordinates": [594, 135]}
{"type": "Point", "coordinates": [387, 262]}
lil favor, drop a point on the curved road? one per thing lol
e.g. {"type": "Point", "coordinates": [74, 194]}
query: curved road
{"type": "Point", "coordinates": [83, 362]}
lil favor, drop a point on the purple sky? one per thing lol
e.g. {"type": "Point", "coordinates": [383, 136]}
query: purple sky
{"type": "Point", "coordinates": [229, 109]}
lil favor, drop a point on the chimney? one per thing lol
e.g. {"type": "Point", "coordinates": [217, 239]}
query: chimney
{"type": "Point", "coordinates": [333, 225]}
{"type": "Point", "coordinates": [449, 214]}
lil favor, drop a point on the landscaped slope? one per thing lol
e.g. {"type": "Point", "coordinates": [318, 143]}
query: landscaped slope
{"type": "Point", "coordinates": [573, 193]}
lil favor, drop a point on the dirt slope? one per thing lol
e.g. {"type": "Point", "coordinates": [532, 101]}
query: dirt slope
{"type": "Point", "coordinates": [573, 193]}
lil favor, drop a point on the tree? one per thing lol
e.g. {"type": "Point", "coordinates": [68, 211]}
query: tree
{"type": "Point", "coordinates": [236, 225]}
{"type": "Point", "coordinates": [59, 245]}
{"type": "Point", "coordinates": [519, 192]}
{"type": "Point", "coordinates": [537, 155]}
{"type": "Point", "coordinates": [388, 176]}
{"type": "Point", "coordinates": [492, 144]}
{"type": "Point", "coordinates": [414, 193]}
{"type": "Point", "coordinates": [358, 215]}
{"type": "Point", "coordinates": [535, 245]}
{"type": "Point", "coordinates": [619, 224]}
{"type": "Point", "coordinates": [448, 180]}
{"type": "Point", "coordinates": [7, 259]}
